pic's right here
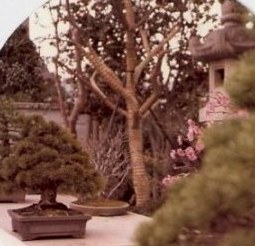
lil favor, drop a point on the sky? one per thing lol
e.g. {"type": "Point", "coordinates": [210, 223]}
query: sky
{"type": "Point", "coordinates": [14, 12]}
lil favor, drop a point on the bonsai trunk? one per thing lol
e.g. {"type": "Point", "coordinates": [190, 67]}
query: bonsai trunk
{"type": "Point", "coordinates": [48, 196]}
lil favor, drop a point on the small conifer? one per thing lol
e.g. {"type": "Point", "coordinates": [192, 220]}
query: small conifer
{"type": "Point", "coordinates": [48, 158]}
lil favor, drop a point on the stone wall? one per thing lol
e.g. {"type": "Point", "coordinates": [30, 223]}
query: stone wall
{"type": "Point", "coordinates": [52, 113]}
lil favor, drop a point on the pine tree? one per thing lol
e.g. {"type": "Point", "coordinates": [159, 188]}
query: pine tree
{"type": "Point", "coordinates": [9, 134]}
{"type": "Point", "coordinates": [47, 159]}
{"type": "Point", "coordinates": [21, 69]}
{"type": "Point", "coordinates": [217, 205]}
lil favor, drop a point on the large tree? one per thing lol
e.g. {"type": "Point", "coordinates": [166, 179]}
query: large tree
{"type": "Point", "coordinates": [119, 49]}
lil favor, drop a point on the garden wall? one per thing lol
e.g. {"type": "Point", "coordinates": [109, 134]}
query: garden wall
{"type": "Point", "coordinates": [52, 112]}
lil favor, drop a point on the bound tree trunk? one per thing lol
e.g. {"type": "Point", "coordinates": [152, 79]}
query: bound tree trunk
{"type": "Point", "coordinates": [140, 177]}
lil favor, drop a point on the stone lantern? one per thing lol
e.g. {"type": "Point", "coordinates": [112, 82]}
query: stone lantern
{"type": "Point", "coordinates": [221, 49]}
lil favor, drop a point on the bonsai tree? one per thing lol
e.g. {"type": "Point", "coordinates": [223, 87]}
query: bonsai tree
{"type": "Point", "coordinates": [217, 205]}
{"type": "Point", "coordinates": [48, 158]}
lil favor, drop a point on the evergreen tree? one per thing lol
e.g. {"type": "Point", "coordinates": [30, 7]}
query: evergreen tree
{"type": "Point", "coordinates": [9, 134]}
{"type": "Point", "coordinates": [217, 205]}
{"type": "Point", "coordinates": [48, 158]}
{"type": "Point", "coordinates": [21, 68]}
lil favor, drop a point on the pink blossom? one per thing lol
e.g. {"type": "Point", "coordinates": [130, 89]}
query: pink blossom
{"type": "Point", "coordinates": [173, 154]}
{"type": "Point", "coordinates": [193, 130]}
{"type": "Point", "coordinates": [170, 180]}
{"type": "Point", "coordinates": [196, 130]}
{"type": "Point", "coordinates": [190, 153]}
{"type": "Point", "coordinates": [218, 100]}
{"type": "Point", "coordinates": [192, 157]}
{"type": "Point", "coordinates": [190, 136]}
{"type": "Point", "coordinates": [180, 152]}
{"type": "Point", "coordinates": [189, 150]}
{"type": "Point", "coordinates": [191, 122]}
{"type": "Point", "coordinates": [210, 107]}
{"type": "Point", "coordinates": [179, 139]}
{"type": "Point", "coordinates": [221, 99]}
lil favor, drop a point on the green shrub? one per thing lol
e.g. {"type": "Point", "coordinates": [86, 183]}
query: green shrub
{"type": "Point", "coordinates": [217, 205]}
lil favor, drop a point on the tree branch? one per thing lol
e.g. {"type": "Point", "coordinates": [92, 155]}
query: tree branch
{"type": "Point", "coordinates": [140, 67]}
{"type": "Point", "coordinates": [106, 73]}
{"type": "Point", "coordinates": [94, 87]}
{"type": "Point", "coordinates": [145, 18]}
{"type": "Point", "coordinates": [103, 97]}
{"type": "Point", "coordinates": [156, 88]}
{"type": "Point", "coordinates": [102, 69]}
{"type": "Point", "coordinates": [80, 100]}
{"type": "Point", "coordinates": [56, 79]}
{"type": "Point", "coordinates": [145, 40]}
{"type": "Point", "coordinates": [71, 19]}
{"type": "Point", "coordinates": [130, 16]}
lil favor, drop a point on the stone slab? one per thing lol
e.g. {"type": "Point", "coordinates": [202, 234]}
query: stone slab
{"type": "Point", "coordinates": [101, 231]}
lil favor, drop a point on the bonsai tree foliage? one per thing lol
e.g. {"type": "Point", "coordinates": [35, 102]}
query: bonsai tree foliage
{"type": "Point", "coordinates": [217, 205]}
{"type": "Point", "coordinates": [48, 158]}
{"type": "Point", "coordinates": [8, 135]}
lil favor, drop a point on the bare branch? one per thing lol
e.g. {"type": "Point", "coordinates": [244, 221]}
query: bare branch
{"type": "Point", "coordinates": [81, 97]}
{"type": "Point", "coordinates": [140, 67]}
{"type": "Point", "coordinates": [131, 54]}
{"type": "Point", "coordinates": [124, 176]}
{"type": "Point", "coordinates": [145, 40]}
{"type": "Point", "coordinates": [63, 65]}
{"type": "Point", "coordinates": [130, 16]}
{"type": "Point", "coordinates": [145, 18]}
{"type": "Point", "coordinates": [106, 73]}
{"type": "Point", "coordinates": [56, 79]}
{"type": "Point", "coordinates": [156, 88]}
{"type": "Point", "coordinates": [71, 19]}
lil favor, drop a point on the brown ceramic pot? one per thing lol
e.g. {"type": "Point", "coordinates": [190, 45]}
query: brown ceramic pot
{"type": "Point", "coordinates": [32, 227]}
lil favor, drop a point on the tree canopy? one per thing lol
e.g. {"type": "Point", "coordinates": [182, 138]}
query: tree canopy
{"type": "Point", "coordinates": [21, 68]}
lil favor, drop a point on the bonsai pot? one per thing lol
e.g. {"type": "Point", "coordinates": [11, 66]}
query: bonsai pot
{"type": "Point", "coordinates": [18, 196]}
{"type": "Point", "coordinates": [32, 227]}
{"type": "Point", "coordinates": [101, 207]}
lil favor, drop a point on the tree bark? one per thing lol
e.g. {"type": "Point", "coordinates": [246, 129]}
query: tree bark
{"type": "Point", "coordinates": [48, 196]}
{"type": "Point", "coordinates": [134, 123]}
{"type": "Point", "coordinates": [81, 98]}
{"type": "Point", "coordinates": [139, 174]}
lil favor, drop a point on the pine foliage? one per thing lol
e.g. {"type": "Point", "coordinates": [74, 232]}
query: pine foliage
{"type": "Point", "coordinates": [241, 85]}
{"type": "Point", "coordinates": [48, 157]}
{"type": "Point", "coordinates": [9, 134]}
{"type": "Point", "coordinates": [217, 205]}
